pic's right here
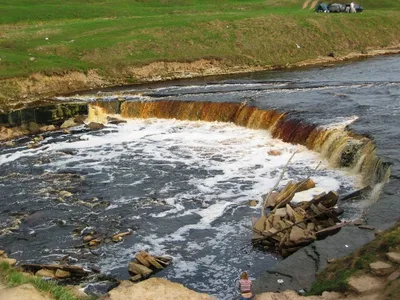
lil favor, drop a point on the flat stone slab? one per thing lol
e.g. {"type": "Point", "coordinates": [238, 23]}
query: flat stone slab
{"type": "Point", "coordinates": [394, 257]}
{"type": "Point", "coordinates": [394, 276]}
{"type": "Point", "coordinates": [365, 284]}
{"type": "Point", "coordinates": [381, 268]}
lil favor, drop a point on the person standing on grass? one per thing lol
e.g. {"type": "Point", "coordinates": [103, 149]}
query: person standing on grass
{"type": "Point", "coordinates": [245, 287]}
{"type": "Point", "coordinates": [352, 7]}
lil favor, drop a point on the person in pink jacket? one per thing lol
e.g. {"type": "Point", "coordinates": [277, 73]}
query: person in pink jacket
{"type": "Point", "coordinates": [245, 287]}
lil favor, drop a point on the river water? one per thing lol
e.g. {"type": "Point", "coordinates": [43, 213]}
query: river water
{"type": "Point", "coordinates": [182, 187]}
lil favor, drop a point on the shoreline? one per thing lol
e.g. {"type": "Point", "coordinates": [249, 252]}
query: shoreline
{"type": "Point", "coordinates": [22, 92]}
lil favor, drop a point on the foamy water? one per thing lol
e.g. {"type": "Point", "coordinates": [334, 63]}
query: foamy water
{"type": "Point", "coordinates": [184, 185]}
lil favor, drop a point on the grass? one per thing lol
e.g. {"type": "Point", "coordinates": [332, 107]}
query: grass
{"type": "Point", "coordinates": [110, 36]}
{"type": "Point", "coordinates": [336, 275]}
{"type": "Point", "coordinates": [14, 278]}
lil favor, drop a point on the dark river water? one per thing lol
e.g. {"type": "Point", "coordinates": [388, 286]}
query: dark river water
{"type": "Point", "coordinates": [182, 187]}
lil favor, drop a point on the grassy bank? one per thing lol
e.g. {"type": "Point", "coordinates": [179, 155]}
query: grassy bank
{"type": "Point", "coordinates": [11, 277]}
{"type": "Point", "coordinates": [59, 36]}
{"type": "Point", "coordinates": [337, 274]}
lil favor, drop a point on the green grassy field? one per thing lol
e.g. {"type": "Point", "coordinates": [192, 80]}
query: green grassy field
{"type": "Point", "coordinates": [54, 36]}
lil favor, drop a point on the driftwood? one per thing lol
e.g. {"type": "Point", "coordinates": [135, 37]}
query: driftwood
{"type": "Point", "coordinates": [298, 187]}
{"type": "Point", "coordinates": [276, 184]}
{"type": "Point", "coordinates": [288, 227]}
{"type": "Point", "coordinates": [355, 194]}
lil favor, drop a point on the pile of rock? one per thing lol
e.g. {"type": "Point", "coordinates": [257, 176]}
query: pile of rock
{"type": "Point", "coordinates": [288, 227]}
{"type": "Point", "coordinates": [145, 265]}
{"type": "Point", "coordinates": [55, 271]}
{"type": "Point", "coordinates": [91, 238]}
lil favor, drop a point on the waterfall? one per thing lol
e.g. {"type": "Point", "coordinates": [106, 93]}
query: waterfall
{"type": "Point", "coordinates": [340, 147]}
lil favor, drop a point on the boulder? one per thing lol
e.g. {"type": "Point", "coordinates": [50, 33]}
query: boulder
{"type": "Point", "coordinates": [68, 123]}
{"type": "Point", "coordinates": [95, 126]}
{"type": "Point", "coordinates": [10, 261]}
{"type": "Point", "coordinates": [62, 274]}
{"type": "Point", "coordinates": [45, 273]}
{"type": "Point", "coordinates": [394, 257]}
{"type": "Point", "coordinates": [139, 269]}
{"type": "Point", "coordinates": [381, 268]}
{"type": "Point", "coordinates": [154, 289]}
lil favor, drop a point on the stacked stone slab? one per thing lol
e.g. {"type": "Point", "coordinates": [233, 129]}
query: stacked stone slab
{"type": "Point", "coordinates": [145, 265]}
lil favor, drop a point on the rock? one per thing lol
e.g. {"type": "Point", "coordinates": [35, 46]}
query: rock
{"type": "Point", "coordinates": [118, 237]}
{"type": "Point", "coordinates": [274, 152]}
{"type": "Point", "coordinates": [260, 224]}
{"type": "Point", "coordinates": [23, 292]}
{"type": "Point", "coordinates": [280, 212]}
{"type": "Point", "coordinates": [381, 268]}
{"type": "Point", "coordinates": [88, 238]}
{"type": "Point", "coordinates": [48, 128]}
{"type": "Point", "coordinates": [2, 252]}
{"type": "Point", "coordinates": [66, 131]}
{"type": "Point", "coordinates": [68, 123]}
{"type": "Point", "coordinates": [152, 289]}
{"type": "Point", "coordinates": [45, 273]}
{"type": "Point", "coordinates": [95, 126]}
{"type": "Point", "coordinates": [365, 283]}
{"type": "Point", "coordinates": [33, 127]}
{"type": "Point", "coordinates": [297, 234]}
{"type": "Point", "coordinates": [32, 145]}
{"type": "Point", "coordinates": [136, 278]}
{"type": "Point", "coordinates": [80, 119]}
{"type": "Point", "coordinates": [65, 194]}
{"type": "Point", "coordinates": [139, 269]}
{"type": "Point", "coordinates": [39, 138]}
{"type": "Point", "coordinates": [253, 203]}
{"type": "Point", "coordinates": [94, 243]}
{"type": "Point", "coordinates": [394, 276]}
{"type": "Point", "coordinates": [394, 257]}
{"type": "Point", "coordinates": [115, 121]}
{"type": "Point", "coordinates": [62, 274]}
{"type": "Point", "coordinates": [10, 143]}
{"type": "Point", "coordinates": [10, 261]}
{"type": "Point", "coordinates": [331, 54]}
{"type": "Point", "coordinates": [77, 292]}
{"type": "Point", "coordinates": [32, 58]}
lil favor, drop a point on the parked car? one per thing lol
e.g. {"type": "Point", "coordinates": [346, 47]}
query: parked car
{"type": "Point", "coordinates": [336, 8]}
{"type": "Point", "coordinates": [322, 8]}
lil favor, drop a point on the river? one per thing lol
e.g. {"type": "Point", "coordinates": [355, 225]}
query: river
{"type": "Point", "coordinates": [182, 187]}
